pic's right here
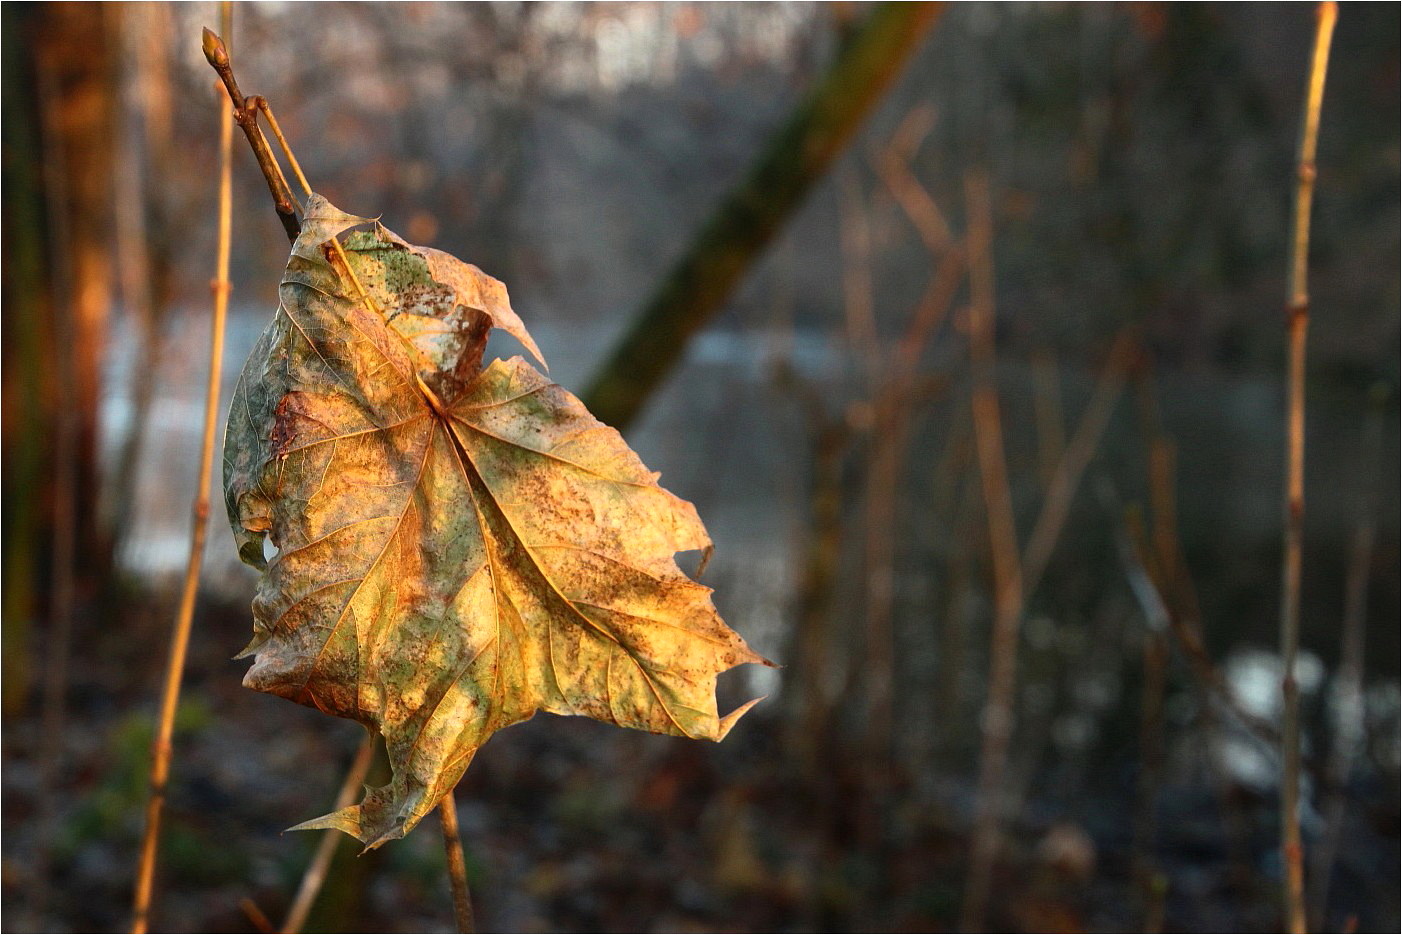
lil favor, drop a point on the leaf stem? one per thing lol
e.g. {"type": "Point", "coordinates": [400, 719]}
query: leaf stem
{"type": "Point", "coordinates": [180, 636]}
{"type": "Point", "coordinates": [457, 866]}
{"type": "Point", "coordinates": [1297, 326]}
{"type": "Point", "coordinates": [337, 255]}
{"type": "Point", "coordinates": [258, 104]}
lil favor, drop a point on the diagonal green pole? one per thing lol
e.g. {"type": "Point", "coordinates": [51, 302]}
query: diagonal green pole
{"type": "Point", "coordinates": [729, 243]}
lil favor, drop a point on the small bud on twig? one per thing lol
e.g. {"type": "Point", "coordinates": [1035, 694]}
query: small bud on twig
{"type": "Point", "coordinates": [214, 50]}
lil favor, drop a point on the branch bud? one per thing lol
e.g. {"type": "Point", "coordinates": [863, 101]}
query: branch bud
{"type": "Point", "coordinates": [214, 50]}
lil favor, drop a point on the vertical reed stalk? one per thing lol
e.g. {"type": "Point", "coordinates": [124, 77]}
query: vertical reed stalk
{"type": "Point", "coordinates": [1297, 324]}
{"type": "Point", "coordinates": [1349, 728]}
{"type": "Point", "coordinates": [1072, 464]}
{"type": "Point", "coordinates": [457, 866]}
{"type": "Point", "coordinates": [997, 721]}
{"type": "Point", "coordinates": [180, 636]}
{"type": "Point", "coordinates": [315, 876]}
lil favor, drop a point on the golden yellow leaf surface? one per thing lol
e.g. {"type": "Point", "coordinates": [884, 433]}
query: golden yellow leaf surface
{"type": "Point", "coordinates": [457, 547]}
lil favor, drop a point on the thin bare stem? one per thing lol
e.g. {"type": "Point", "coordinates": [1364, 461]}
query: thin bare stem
{"type": "Point", "coordinates": [1297, 325]}
{"type": "Point", "coordinates": [1147, 878]}
{"type": "Point", "coordinates": [1148, 593]}
{"type": "Point", "coordinates": [180, 636]}
{"type": "Point", "coordinates": [860, 313]}
{"type": "Point", "coordinates": [315, 876]}
{"type": "Point", "coordinates": [1348, 726]}
{"type": "Point", "coordinates": [259, 104]}
{"type": "Point", "coordinates": [1072, 465]}
{"type": "Point", "coordinates": [997, 722]}
{"type": "Point", "coordinates": [457, 866]}
{"type": "Point", "coordinates": [262, 104]}
{"type": "Point", "coordinates": [893, 165]}
{"type": "Point", "coordinates": [256, 915]}
{"type": "Point", "coordinates": [335, 252]}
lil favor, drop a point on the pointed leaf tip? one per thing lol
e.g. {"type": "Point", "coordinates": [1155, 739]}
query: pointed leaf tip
{"type": "Point", "coordinates": [321, 222]}
{"type": "Point", "coordinates": [729, 721]}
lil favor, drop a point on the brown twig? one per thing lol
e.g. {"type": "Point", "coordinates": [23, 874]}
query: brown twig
{"type": "Point", "coordinates": [261, 104]}
{"type": "Point", "coordinates": [1175, 603]}
{"type": "Point", "coordinates": [892, 164]}
{"type": "Point", "coordinates": [857, 305]}
{"type": "Point", "coordinates": [457, 866]}
{"type": "Point", "coordinates": [256, 915]}
{"type": "Point", "coordinates": [955, 502]}
{"type": "Point", "coordinates": [1297, 324]}
{"type": "Point", "coordinates": [247, 118]}
{"type": "Point", "coordinates": [1158, 616]}
{"type": "Point", "coordinates": [895, 394]}
{"type": "Point", "coordinates": [1072, 465]}
{"type": "Point", "coordinates": [180, 636]}
{"type": "Point", "coordinates": [997, 721]}
{"type": "Point", "coordinates": [1147, 877]}
{"type": "Point", "coordinates": [315, 875]}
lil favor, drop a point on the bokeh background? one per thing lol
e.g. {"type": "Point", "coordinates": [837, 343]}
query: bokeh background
{"type": "Point", "coordinates": [1138, 164]}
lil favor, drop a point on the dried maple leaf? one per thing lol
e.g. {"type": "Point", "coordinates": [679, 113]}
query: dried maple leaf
{"type": "Point", "coordinates": [457, 547]}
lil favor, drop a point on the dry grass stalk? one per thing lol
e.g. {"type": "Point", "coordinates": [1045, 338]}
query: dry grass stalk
{"type": "Point", "coordinates": [896, 394]}
{"type": "Point", "coordinates": [315, 875]}
{"type": "Point", "coordinates": [997, 721]}
{"type": "Point", "coordinates": [892, 164]}
{"type": "Point", "coordinates": [180, 636]}
{"type": "Point", "coordinates": [1072, 464]}
{"type": "Point", "coordinates": [1065, 479]}
{"type": "Point", "coordinates": [1297, 324]}
{"type": "Point", "coordinates": [457, 866]}
{"type": "Point", "coordinates": [256, 915]}
{"type": "Point", "coordinates": [1349, 727]}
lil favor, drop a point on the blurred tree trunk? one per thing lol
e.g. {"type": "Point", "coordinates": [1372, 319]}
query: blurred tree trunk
{"type": "Point", "coordinates": [868, 61]}
{"type": "Point", "coordinates": [77, 89]}
{"type": "Point", "coordinates": [57, 97]}
{"type": "Point", "coordinates": [141, 242]}
{"type": "Point", "coordinates": [27, 343]}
